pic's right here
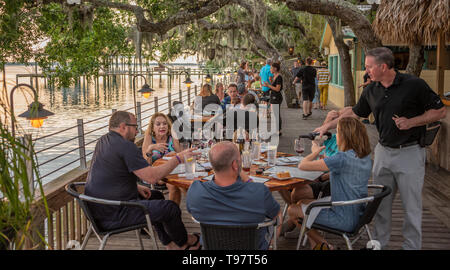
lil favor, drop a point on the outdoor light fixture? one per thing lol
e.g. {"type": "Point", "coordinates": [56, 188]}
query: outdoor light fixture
{"type": "Point", "coordinates": [188, 81]}
{"type": "Point", "coordinates": [35, 113]}
{"type": "Point", "coordinates": [208, 78]}
{"type": "Point", "coordinates": [146, 91]}
{"type": "Point", "coordinates": [291, 50]}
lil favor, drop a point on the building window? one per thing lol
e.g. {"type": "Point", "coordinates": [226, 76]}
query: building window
{"type": "Point", "coordinates": [335, 69]}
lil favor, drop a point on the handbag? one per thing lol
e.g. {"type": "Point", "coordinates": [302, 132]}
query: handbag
{"type": "Point", "coordinates": [430, 133]}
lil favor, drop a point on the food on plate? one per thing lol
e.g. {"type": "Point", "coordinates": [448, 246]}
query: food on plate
{"type": "Point", "coordinates": [284, 174]}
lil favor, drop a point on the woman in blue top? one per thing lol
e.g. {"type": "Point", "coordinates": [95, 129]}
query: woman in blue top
{"type": "Point", "coordinates": [158, 142]}
{"type": "Point", "coordinates": [350, 170]}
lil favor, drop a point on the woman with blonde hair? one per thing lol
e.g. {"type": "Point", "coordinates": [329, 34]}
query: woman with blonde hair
{"type": "Point", "coordinates": [220, 92]}
{"type": "Point", "coordinates": [350, 170]}
{"type": "Point", "coordinates": [204, 98]}
{"type": "Point", "coordinates": [159, 142]}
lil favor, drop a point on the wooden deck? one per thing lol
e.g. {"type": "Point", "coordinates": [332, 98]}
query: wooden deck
{"type": "Point", "coordinates": [436, 198]}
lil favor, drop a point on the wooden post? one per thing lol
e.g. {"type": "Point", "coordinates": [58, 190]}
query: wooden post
{"type": "Point", "coordinates": [441, 53]}
{"type": "Point", "coordinates": [139, 117]}
{"type": "Point", "coordinates": [156, 104]}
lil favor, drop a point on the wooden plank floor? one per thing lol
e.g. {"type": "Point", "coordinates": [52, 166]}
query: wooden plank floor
{"type": "Point", "coordinates": [436, 198]}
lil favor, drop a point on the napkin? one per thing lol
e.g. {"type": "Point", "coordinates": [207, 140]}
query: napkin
{"type": "Point", "coordinates": [295, 172]}
{"type": "Point", "coordinates": [258, 179]}
{"type": "Point", "coordinates": [181, 169]}
{"type": "Point", "coordinates": [196, 174]}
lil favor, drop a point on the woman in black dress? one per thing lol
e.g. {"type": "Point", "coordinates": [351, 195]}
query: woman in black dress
{"type": "Point", "coordinates": [275, 92]}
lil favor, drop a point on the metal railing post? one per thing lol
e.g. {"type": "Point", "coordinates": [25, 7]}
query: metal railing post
{"type": "Point", "coordinates": [180, 93]}
{"type": "Point", "coordinates": [156, 105]}
{"type": "Point", "coordinates": [189, 95]}
{"type": "Point", "coordinates": [28, 143]}
{"type": "Point", "coordinates": [139, 117]}
{"type": "Point", "coordinates": [169, 99]}
{"type": "Point", "coordinates": [195, 90]}
{"type": "Point", "coordinates": [82, 148]}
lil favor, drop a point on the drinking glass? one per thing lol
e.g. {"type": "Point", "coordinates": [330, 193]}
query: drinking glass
{"type": "Point", "coordinates": [256, 150]}
{"type": "Point", "coordinates": [246, 161]}
{"type": "Point", "coordinates": [272, 155]}
{"type": "Point", "coordinates": [189, 166]}
{"type": "Point", "coordinates": [184, 145]}
{"type": "Point", "coordinates": [299, 146]}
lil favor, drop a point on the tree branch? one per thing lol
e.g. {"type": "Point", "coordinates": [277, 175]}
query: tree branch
{"type": "Point", "coordinates": [204, 9]}
{"type": "Point", "coordinates": [347, 12]}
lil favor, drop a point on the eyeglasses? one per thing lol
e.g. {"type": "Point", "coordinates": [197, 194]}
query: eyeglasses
{"type": "Point", "coordinates": [132, 125]}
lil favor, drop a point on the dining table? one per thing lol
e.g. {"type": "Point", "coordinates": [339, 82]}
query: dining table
{"type": "Point", "coordinates": [272, 183]}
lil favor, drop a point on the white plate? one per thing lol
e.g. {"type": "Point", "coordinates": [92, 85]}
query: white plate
{"type": "Point", "coordinates": [284, 178]}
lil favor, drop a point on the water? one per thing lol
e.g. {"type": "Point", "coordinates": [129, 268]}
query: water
{"type": "Point", "coordinates": [85, 101]}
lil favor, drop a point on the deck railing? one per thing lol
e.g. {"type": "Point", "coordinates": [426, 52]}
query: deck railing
{"type": "Point", "coordinates": [67, 222]}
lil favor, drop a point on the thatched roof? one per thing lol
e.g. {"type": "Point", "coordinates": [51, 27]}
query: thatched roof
{"type": "Point", "coordinates": [412, 21]}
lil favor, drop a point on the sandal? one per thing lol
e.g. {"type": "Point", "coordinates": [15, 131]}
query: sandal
{"type": "Point", "coordinates": [322, 246]}
{"type": "Point", "coordinates": [196, 242]}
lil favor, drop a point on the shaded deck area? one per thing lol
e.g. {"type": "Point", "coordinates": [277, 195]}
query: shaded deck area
{"type": "Point", "coordinates": [436, 198]}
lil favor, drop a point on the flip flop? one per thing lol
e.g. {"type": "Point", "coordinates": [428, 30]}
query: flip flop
{"type": "Point", "coordinates": [196, 242]}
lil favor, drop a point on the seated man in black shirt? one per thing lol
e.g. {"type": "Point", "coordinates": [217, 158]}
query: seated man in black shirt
{"type": "Point", "coordinates": [116, 165]}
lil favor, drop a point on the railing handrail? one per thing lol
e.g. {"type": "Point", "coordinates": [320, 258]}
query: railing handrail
{"type": "Point", "coordinates": [161, 107]}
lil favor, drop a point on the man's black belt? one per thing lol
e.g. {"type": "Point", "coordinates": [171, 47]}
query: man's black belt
{"type": "Point", "coordinates": [402, 145]}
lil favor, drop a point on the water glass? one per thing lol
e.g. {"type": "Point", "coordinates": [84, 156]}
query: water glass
{"type": "Point", "coordinates": [256, 150]}
{"type": "Point", "coordinates": [184, 145]}
{"type": "Point", "coordinates": [189, 166]}
{"type": "Point", "coordinates": [272, 155]}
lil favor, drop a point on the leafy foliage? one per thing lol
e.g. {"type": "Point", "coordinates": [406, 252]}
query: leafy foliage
{"type": "Point", "coordinates": [16, 194]}
{"type": "Point", "coordinates": [76, 48]}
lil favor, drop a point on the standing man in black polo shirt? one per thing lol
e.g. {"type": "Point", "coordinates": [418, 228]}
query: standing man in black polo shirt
{"type": "Point", "coordinates": [307, 76]}
{"type": "Point", "coordinates": [116, 165]}
{"type": "Point", "coordinates": [402, 105]}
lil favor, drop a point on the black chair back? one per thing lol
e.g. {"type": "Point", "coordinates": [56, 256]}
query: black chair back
{"type": "Point", "coordinates": [224, 237]}
{"type": "Point", "coordinates": [72, 189]}
{"type": "Point", "coordinates": [371, 207]}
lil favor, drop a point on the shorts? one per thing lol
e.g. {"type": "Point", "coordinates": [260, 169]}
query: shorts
{"type": "Point", "coordinates": [298, 89]}
{"type": "Point", "coordinates": [318, 186]}
{"type": "Point", "coordinates": [308, 93]}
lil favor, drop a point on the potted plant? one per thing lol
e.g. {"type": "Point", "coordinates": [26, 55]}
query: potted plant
{"type": "Point", "coordinates": [17, 198]}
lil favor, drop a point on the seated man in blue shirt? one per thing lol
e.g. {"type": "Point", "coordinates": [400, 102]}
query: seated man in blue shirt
{"type": "Point", "coordinates": [116, 165]}
{"type": "Point", "coordinates": [229, 198]}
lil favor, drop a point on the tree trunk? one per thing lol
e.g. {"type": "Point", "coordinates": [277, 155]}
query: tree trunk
{"type": "Point", "coordinates": [416, 59]}
{"type": "Point", "coordinates": [345, 61]}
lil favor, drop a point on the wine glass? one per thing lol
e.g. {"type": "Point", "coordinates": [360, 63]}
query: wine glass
{"type": "Point", "coordinates": [299, 146]}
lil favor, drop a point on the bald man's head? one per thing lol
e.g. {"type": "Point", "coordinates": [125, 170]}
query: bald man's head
{"type": "Point", "coordinates": [222, 155]}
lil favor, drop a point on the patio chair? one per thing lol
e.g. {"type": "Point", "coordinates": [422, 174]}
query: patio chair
{"type": "Point", "coordinates": [235, 237]}
{"type": "Point", "coordinates": [363, 225]}
{"type": "Point", "coordinates": [102, 234]}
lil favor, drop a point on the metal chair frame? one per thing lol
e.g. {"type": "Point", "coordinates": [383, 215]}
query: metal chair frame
{"type": "Point", "coordinates": [103, 235]}
{"type": "Point", "coordinates": [363, 224]}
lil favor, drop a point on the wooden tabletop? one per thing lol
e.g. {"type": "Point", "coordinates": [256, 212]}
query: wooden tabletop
{"type": "Point", "coordinates": [204, 119]}
{"type": "Point", "coordinates": [272, 184]}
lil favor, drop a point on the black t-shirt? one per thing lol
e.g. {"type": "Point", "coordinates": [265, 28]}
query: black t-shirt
{"type": "Point", "coordinates": [111, 175]}
{"type": "Point", "coordinates": [276, 97]}
{"type": "Point", "coordinates": [308, 77]}
{"type": "Point", "coordinates": [408, 96]}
